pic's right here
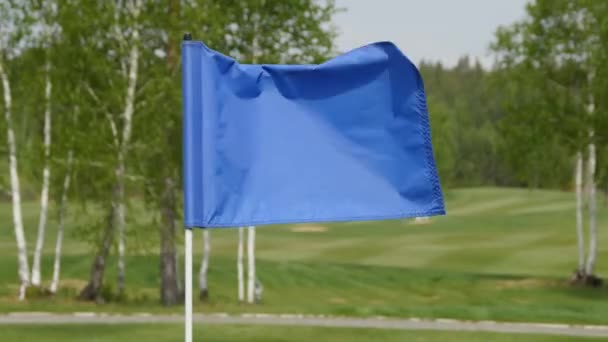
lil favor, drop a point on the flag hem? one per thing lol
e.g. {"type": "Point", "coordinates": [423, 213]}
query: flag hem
{"type": "Point", "coordinates": [425, 131]}
{"type": "Point", "coordinates": [434, 212]}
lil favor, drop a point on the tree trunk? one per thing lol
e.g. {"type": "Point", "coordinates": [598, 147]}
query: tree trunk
{"type": "Point", "coordinates": [120, 221]}
{"type": "Point", "coordinates": [592, 212]}
{"type": "Point", "coordinates": [172, 283]}
{"type": "Point", "coordinates": [62, 211]}
{"type": "Point", "coordinates": [203, 286]}
{"type": "Point", "coordinates": [46, 174]}
{"type": "Point", "coordinates": [24, 272]}
{"type": "Point", "coordinates": [126, 136]}
{"type": "Point", "coordinates": [169, 286]}
{"type": "Point", "coordinates": [92, 291]}
{"type": "Point", "coordinates": [578, 181]}
{"type": "Point", "coordinates": [178, 277]}
{"type": "Point", "coordinates": [251, 265]}
{"type": "Point", "coordinates": [239, 266]}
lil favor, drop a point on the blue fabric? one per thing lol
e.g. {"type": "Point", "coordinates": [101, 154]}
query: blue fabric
{"type": "Point", "coordinates": [346, 140]}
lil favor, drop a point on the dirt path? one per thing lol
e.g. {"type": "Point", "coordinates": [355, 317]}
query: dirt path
{"type": "Point", "coordinates": [314, 321]}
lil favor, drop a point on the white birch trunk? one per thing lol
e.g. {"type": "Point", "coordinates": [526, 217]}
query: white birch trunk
{"type": "Point", "coordinates": [592, 211]}
{"type": "Point", "coordinates": [62, 212]}
{"type": "Point", "coordinates": [126, 136]}
{"type": "Point", "coordinates": [578, 181]}
{"type": "Point", "coordinates": [120, 221]}
{"type": "Point", "coordinates": [239, 266]}
{"type": "Point", "coordinates": [591, 256]}
{"type": "Point", "coordinates": [251, 265]}
{"type": "Point", "coordinates": [24, 272]}
{"type": "Point", "coordinates": [203, 286]}
{"type": "Point", "coordinates": [46, 174]}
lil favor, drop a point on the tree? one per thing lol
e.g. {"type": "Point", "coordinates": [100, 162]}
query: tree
{"type": "Point", "coordinates": [11, 21]}
{"type": "Point", "coordinates": [121, 41]}
{"type": "Point", "coordinates": [126, 64]}
{"type": "Point", "coordinates": [240, 269]}
{"type": "Point", "coordinates": [46, 10]}
{"type": "Point", "coordinates": [203, 287]}
{"type": "Point", "coordinates": [159, 158]}
{"type": "Point", "coordinates": [555, 52]}
{"type": "Point", "coordinates": [134, 8]}
{"type": "Point", "coordinates": [273, 31]}
{"type": "Point", "coordinates": [464, 110]}
{"type": "Point", "coordinates": [65, 143]}
{"type": "Point", "coordinates": [225, 26]}
{"type": "Point", "coordinates": [62, 213]}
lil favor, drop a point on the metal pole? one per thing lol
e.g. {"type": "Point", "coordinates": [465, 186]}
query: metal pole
{"type": "Point", "coordinates": [188, 285]}
{"type": "Point", "coordinates": [188, 268]}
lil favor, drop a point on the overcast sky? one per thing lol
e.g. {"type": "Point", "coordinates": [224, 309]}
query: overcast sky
{"type": "Point", "coordinates": [440, 30]}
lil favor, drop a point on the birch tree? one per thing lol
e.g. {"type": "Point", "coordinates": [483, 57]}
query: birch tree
{"type": "Point", "coordinates": [591, 187]}
{"type": "Point", "coordinates": [225, 26]}
{"type": "Point", "coordinates": [160, 103]}
{"type": "Point", "coordinates": [558, 46]}
{"type": "Point", "coordinates": [274, 31]}
{"type": "Point", "coordinates": [125, 33]}
{"type": "Point", "coordinates": [47, 15]}
{"type": "Point", "coordinates": [46, 175]}
{"type": "Point", "coordinates": [62, 213]}
{"type": "Point", "coordinates": [161, 99]}
{"type": "Point", "coordinates": [251, 278]}
{"type": "Point", "coordinates": [15, 189]}
{"type": "Point", "coordinates": [66, 132]}
{"type": "Point", "coordinates": [161, 165]}
{"type": "Point", "coordinates": [589, 268]}
{"type": "Point", "coordinates": [10, 18]}
{"type": "Point", "coordinates": [580, 235]}
{"type": "Point", "coordinates": [203, 287]}
{"type": "Point", "coordinates": [170, 288]}
{"type": "Point", "coordinates": [239, 266]}
{"type": "Point", "coordinates": [134, 7]}
{"type": "Point", "coordinates": [597, 109]}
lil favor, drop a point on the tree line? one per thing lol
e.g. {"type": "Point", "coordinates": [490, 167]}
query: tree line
{"type": "Point", "coordinates": [92, 108]}
{"type": "Point", "coordinates": [538, 118]}
{"type": "Point", "coordinates": [91, 97]}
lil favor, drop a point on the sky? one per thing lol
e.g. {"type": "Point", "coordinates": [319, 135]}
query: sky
{"type": "Point", "coordinates": [437, 30]}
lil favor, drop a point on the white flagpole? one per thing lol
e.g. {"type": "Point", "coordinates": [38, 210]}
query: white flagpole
{"type": "Point", "coordinates": [188, 254]}
{"type": "Point", "coordinates": [188, 285]}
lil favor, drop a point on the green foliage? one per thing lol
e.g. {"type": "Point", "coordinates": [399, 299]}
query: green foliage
{"type": "Point", "coordinates": [464, 109]}
{"type": "Point", "coordinates": [516, 125]}
{"type": "Point", "coordinates": [279, 31]}
{"type": "Point", "coordinates": [88, 45]}
{"type": "Point", "coordinates": [552, 67]}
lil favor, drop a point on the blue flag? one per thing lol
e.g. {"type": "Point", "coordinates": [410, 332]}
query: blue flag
{"type": "Point", "coordinates": [345, 140]}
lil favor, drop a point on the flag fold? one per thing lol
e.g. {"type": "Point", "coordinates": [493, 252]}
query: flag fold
{"type": "Point", "coordinates": [345, 140]}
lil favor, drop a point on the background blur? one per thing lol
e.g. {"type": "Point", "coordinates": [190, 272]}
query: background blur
{"type": "Point", "coordinates": [90, 176]}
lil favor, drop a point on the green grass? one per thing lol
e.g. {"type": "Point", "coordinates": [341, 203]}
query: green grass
{"type": "Point", "coordinates": [169, 332]}
{"type": "Point", "coordinates": [501, 254]}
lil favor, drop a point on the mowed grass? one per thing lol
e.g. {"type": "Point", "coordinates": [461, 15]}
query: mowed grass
{"type": "Point", "coordinates": [209, 333]}
{"type": "Point", "coordinates": [500, 254]}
